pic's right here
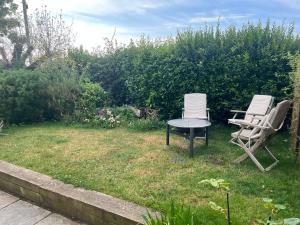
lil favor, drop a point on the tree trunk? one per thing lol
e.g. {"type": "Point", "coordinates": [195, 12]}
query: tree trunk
{"type": "Point", "coordinates": [25, 7]}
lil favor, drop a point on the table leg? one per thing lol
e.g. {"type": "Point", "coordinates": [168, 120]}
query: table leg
{"type": "Point", "coordinates": [191, 147]}
{"type": "Point", "coordinates": [206, 135]}
{"type": "Point", "coordinates": [168, 135]}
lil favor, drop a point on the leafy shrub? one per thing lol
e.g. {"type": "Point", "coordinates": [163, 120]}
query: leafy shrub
{"type": "Point", "coordinates": [24, 96]}
{"type": "Point", "coordinates": [63, 87]}
{"type": "Point", "coordinates": [47, 93]}
{"type": "Point", "coordinates": [125, 113]}
{"type": "Point", "coordinates": [230, 66]}
{"type": "Point", "coordinates": [92, 96]}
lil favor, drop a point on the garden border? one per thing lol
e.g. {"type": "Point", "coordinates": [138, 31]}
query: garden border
{"type": "Point", "coordinates": [87, 206]}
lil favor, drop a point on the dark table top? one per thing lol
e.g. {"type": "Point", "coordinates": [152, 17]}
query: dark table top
{"type": "Point", "coordinates": [189, 123]}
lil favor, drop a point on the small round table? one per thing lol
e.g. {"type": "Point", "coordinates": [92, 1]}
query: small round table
{"type": "Point", "coordinates": [191, 125]}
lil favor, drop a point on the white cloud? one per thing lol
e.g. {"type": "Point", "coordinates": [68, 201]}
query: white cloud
{"type": "Point", "coordinates": [91, 35]}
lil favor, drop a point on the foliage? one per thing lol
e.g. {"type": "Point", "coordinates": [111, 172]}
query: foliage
{"type": "Point", "coordinates": [175, 215]}
{"type": "Point", "coordinates": [14, 49]}
{"type": "Point", "coordinates": [229, 65]}
{"type": "Point", "coordinates": [63, 87]}
{"type": "Point", "coordinates": [219, 184]}
{"type": "Point", "coordinates": [275, 209]}
{"type": "Point", "coordinates": [7, 16]}
{"type": "Point", "coordinates": [50, 35]}
{"type": "Point", "coordinates": [24, 96]}
{"type": "Point", "coordinates": [107, 68]}
{"type": "Point", "coordinates": [216, 183]}
{"type": "Point", "coordinates": [125, 113]}
{"type": "Point", "coordinates": [268, 204]}
{"type": "Point", "coordinates": [47, 93]}
{"type": "Point", "coordinates": [92, 96]}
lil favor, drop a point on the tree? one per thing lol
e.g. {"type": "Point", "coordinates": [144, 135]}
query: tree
{"type": "Point", "coordinates": [7, 22]}
{"type": "Point", "coordinates": [50, 35]}
{"type": "Point", "coordinates": [13, 48]}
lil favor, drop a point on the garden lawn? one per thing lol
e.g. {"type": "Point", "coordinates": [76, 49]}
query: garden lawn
{"type": "Point", "coordinates": [139, 167]}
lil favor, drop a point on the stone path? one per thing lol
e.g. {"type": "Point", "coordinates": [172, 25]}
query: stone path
{"type": "Point", "coordinates": [14, 211]}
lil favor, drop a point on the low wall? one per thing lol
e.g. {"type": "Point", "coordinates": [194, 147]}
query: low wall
{"type": "Point", "coordinates": [91, 207]}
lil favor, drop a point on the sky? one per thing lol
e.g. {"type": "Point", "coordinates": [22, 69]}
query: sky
{"type": "Point", "coordinates": [93, 20]}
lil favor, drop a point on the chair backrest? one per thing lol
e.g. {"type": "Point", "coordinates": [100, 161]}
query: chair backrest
{"type": "Point", "coordinates": [195, 106]}
{"type": "Point", "coordinates": [272, 121]}
{"type": "Point", "coordinates": [278, 114]}
{"type": "Point", "coordinates": [259, 106]}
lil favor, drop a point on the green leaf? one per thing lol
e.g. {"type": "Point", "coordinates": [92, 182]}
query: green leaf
{"type": "Point", "coordinates": [291, 221]}
{"type": "Point", "coordinates": [279, 206]}
{"type": "Point", "coordinates": [268, 200]}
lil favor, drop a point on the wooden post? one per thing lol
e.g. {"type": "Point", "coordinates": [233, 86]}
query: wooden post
{"type": "Point", "coordinates": [296, 113]}
{"type": "Point", "coordinates": [297, 146]}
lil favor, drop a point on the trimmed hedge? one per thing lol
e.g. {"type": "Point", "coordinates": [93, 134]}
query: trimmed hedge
{"type": "Point", "coordinates": [230, 66]}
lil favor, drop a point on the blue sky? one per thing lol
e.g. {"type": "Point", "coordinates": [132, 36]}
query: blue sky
{"type": "Point", "coordinates": [95, 19]}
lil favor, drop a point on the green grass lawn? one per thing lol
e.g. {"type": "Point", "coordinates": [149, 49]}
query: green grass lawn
{"type": "Point", "coordinates": [139, 167]}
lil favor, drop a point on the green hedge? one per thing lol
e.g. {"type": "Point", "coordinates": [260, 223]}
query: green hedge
{"type": "Point", "coordinates": [47, 93]}
{"type": "Point", "coordinates": [23, 96]}
{"type": "Point", "coordinates": [230, 66]}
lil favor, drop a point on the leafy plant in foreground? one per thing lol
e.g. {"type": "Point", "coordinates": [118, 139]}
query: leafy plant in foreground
{"type": "Point", "coordinates": [176, 215]}
{"type": "Point", "coordinates": [275, 208]}
{"type": "Point", "coordinates": [221, 185]}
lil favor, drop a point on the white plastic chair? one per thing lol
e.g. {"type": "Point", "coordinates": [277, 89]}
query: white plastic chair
{"type": "Point", "coordinates": [195, 106]}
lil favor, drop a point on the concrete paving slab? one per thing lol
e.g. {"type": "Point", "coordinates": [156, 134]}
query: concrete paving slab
{"type": "Point", "coordinates": [22, 213]}
{"type": "Point", "coordinates": [56, 219]}
{"type": "Point", "coordinates": [6, 199]}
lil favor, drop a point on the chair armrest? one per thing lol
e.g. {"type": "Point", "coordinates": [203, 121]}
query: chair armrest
{"type": "Point", "coordinates": [244, 123]}
{"type": "Point", "coordinates": [237, 111]}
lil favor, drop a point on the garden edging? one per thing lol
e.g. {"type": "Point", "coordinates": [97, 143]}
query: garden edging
{"type": "Point", "coordinates": [87, 206]}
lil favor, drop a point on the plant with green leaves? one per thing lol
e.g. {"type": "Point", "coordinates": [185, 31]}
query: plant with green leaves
{"type": "Point", "coordinates": [222, 185]}
{"type": "Point", "coordinates": [175, 215]}
{"type": "Point", "coordinates": [92, 97]}
{"type": "Point", "coordinates": [275, 208]}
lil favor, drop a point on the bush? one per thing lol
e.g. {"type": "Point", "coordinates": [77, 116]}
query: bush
{"type": "Point", "coordinates": [125, 113]}
{"type": "Point", "coordinates": [24, 96]}
{"type": "Point", "coordinates": [47, 93]}
{"type": "Point", "coordinates": [92, 96]}
{"type": "Point", "coordinates": [230, 66]}
{"type": "Point", "coordinates": [63, 87]}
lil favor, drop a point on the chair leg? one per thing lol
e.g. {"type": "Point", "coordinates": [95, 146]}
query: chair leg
{"type": "Point", "coordinates": [276, 161]}
{"type": "Point", "coordinates": [245, 146]}
{"type": "Point", "coordinates": [257, 163]}
{"type": "Point", "coordinates": [250, 153]}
